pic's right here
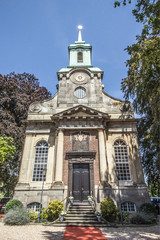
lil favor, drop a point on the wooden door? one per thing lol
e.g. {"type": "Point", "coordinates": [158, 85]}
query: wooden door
{"type": "Point", "coordinates": [81, 181]}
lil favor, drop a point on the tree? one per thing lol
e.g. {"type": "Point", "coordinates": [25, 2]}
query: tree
{"type": "Point", "coordinates": [6, 148]}
{"type": "Point", "coordinates": [17, 92]}
{"type": "Point", "coordinates": [143, 85]}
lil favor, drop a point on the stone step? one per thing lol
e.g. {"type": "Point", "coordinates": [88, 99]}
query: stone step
{"type": "Point", "coordinates": [80, 218]}
{"type": "Point", "coordinates": [81, 209]}
{"type": "Point", "coordinates": [81, 221]}
{"type": "Point", "coordinates": [80, 214]}
{"type": "Point", "coordinates": [64, 224]}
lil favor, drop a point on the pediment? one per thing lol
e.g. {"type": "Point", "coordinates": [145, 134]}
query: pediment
{"type": "Point", "coordinates": [80, 111]}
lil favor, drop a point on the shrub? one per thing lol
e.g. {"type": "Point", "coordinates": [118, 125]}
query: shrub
{"type": "Point", "coordinates": [141, 218]}
{"type": "Point", "coordinates": [125, 216]}
{"type": "Point", "coordinates": [44, 213]}
{"type": "Point", "coordinates": [148, 208]}
{"type": "Point", "coordinates": [17, 216]}
{"type": "Point", "coordinates": [13, 204]}
{"type": "Point", "coordinates": [33, 215]}
{"type": "Point", "coordinates": [108, 209]}
{"type": "Point", "coordinates": [54, 209]}
{"type": "Point", "coordinates": [136, 218]}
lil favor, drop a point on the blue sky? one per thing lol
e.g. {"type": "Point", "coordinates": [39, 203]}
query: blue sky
{"type": "Point", "coordinates": [35, 34]}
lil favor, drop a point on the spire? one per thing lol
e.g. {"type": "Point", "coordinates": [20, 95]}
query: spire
{"type": "Point", "coordinates": [80, 27]}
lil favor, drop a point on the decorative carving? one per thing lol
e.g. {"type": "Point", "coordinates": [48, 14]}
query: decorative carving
{"type": "Point", "coordinates": [35, 107]}
{"type": "Point", "coordinates": [134, 140]}
{"type": "Point", "coordinates": [80, 141]}
{"type": "Point", "coordinates": [125, 107]}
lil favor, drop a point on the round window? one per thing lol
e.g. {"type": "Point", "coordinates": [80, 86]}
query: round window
{"type": "Point", "coordinates": [80, 92]}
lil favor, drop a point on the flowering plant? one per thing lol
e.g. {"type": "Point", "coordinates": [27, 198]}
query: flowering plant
{"type": "Point", "coordinates": [63, 213]}
{"type": "Point", "coordinates": [90, 198]}
{"type": "Point", "coordinates": [71, 198]}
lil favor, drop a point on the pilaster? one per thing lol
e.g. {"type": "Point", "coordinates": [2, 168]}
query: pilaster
{"type": "Point", "coordinates": [59, 157]}
{"type": "Point", "coordinates": [102, 155]}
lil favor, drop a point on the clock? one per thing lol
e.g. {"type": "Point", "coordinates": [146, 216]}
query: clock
{"type": "Point", "coordinates": [80, 78]}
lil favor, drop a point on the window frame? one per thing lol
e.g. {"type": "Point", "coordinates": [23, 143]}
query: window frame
{"type": "Point", "coordinates": [40, 161]}
{"type": "Point", "coordinates": [80, 92]}
{"type": "Point", "coordinates": [128, 207]}
{"type": "Point", "coordinates": [79, 56]}
{"type": "Point", "coordinates": [33, 206]}
{"type": "Point", "coordinates": [122, 160]}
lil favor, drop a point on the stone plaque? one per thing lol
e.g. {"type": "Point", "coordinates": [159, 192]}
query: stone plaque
{"type": "Point", "coordinates": [80, 141]}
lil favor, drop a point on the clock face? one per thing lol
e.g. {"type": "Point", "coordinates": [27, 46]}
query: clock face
{"type": "Point", "coordinates": [80, 78]}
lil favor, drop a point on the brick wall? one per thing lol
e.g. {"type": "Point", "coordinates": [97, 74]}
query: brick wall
{"type": "Point", "coordinates": [93, 146]}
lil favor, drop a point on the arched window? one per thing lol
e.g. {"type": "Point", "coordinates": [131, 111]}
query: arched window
{"type": "Point", "coordinates": [40, 162]}
{"type": "Point", "coordinates": [80, 57]}
{"type": "Point", "coordinates": [128, 207]}
{"type": "Point", "coordinates": [80, 92]}
{"type": "Point", "coordinates": [35, 206]}
{"type": "Point", "coordinates": [121, 159]}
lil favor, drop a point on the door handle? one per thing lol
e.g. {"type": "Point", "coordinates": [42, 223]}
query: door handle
{"type": "Point", "coordinates": [82, 188]}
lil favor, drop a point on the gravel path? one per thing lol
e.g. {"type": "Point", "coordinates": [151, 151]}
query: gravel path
{"type": "Point", "coordinates": [132, 233]}
{"type": "Point", "coordinates": [31, 232]}
{"type": "Point", "coordinates": [41, 232]}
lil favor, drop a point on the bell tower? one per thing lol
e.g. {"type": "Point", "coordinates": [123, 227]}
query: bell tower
{"type": "Point", "coordinates": [80, 53]}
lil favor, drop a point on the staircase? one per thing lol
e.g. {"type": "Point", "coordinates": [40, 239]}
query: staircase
{"type": "Point", "coordinates": [80, 214]}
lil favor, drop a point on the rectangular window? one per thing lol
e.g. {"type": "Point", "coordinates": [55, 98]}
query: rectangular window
{"type": "Point", "coordinates": [121, 159]}
{"type": "Point", "coordinates": [40, 163]}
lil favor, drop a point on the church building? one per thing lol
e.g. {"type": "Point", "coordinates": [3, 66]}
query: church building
{"type": "Point", "coordinates": [84, 138]}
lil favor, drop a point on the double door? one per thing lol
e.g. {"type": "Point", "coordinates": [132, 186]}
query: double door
{"type": "Point", "coordinates": [81, 181]}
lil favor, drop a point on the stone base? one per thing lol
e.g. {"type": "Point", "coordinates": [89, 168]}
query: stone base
{"type": "Point", "coordinates": [31, 196]}
{"type": "Point", "coordinates": [135, 194]}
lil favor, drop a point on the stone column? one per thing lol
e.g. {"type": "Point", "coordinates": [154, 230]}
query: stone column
{"type": "Point", "coordinates": [59, 157]}
{"type": "Point", "coordinates": [102, 155]}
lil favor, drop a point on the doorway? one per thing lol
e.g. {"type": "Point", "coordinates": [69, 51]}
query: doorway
{"type": "Point", "coordinates": [81, 181]}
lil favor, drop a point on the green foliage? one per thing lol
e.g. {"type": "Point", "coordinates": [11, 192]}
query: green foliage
{"type": "Point", "coordinates": [148, 208]}
{"type": "Point", "coordinates": [44, 213]}
{"type": "Point", "coordinates": [17, 92]}
{"type": "Point", "coordinates": [141, 218]}
{"type": "Point", "coordinates": [137, 218]}
{"type": "Point", "coordinates": [13, 204]}
{"type": "Point", "coordinates": [32, 215]}
{"type": "Point", "coordinates": [54, 209]}
{"type": "Point", "coordinates": [108, 209]}
{"type": "Point", "coordinates": [125, 216]}
{"type": "Point", "coordinates": [6, 148]}
{"type": "Point", "coordinates": [153, 187]}
{"type": "Point", "coordinates": [142, 85]}
{"type": "Point", "coordinates": [17, 216]}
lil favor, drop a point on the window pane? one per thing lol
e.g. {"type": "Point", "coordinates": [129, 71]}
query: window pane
{"type": "Point", "coordinates": [40, 163]}
{"type": "Point", "coordinates": [128, 207]}
{"type": "Point", "coordinates": [80, 92]}
{"type": "Point", "coordinates": [34, 206]}
{"type": "Point", "coordinates": [121, 159]}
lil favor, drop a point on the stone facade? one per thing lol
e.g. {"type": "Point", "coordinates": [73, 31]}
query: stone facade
{"type": "Point", "coordinates": [81, 127]}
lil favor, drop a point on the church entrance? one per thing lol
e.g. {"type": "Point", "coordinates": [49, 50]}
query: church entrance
{"type": "Point", "coordinates": [81, 181]}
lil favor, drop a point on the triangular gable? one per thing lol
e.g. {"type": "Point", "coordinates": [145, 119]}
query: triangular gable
{"type": "Point", "coordinates": [80, 110]}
